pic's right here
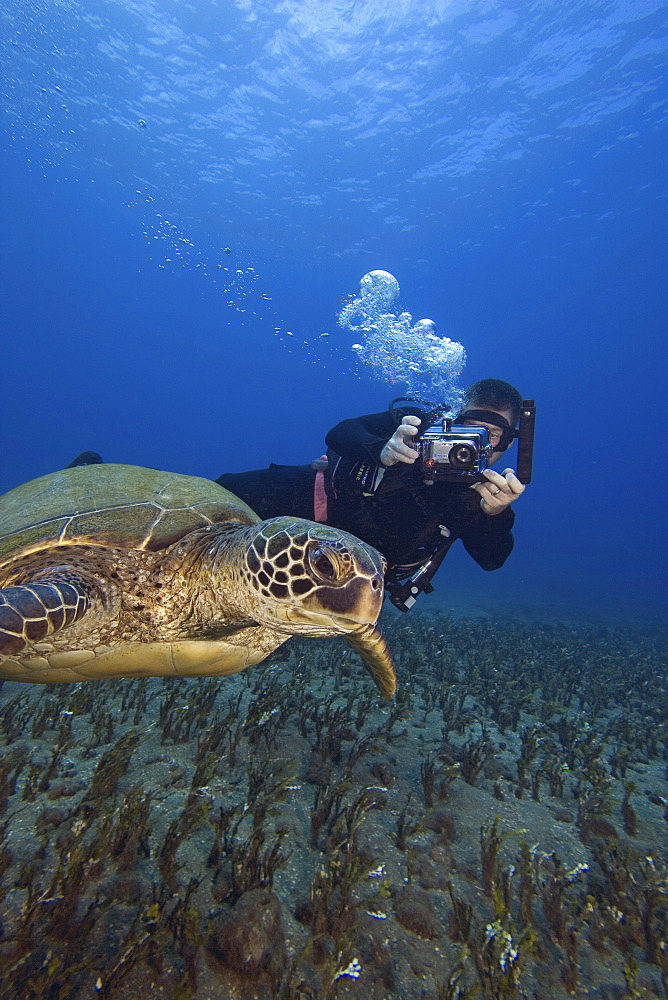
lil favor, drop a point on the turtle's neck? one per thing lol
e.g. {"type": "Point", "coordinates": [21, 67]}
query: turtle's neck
{"type": "Point", "coordinates": [206, 573]}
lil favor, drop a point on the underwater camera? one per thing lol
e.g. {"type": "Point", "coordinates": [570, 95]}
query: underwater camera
{"type": "Point", "coordinates": [454, 451]}
{"type": "Point", "coordinates": [461, 452]}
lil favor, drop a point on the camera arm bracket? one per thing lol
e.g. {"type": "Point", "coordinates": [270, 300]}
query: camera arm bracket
{"type": "Point", "coordinates": [404, 595]}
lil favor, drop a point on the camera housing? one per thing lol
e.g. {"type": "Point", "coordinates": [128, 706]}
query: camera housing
{"type": "Point", "coordinates": [455, 452]}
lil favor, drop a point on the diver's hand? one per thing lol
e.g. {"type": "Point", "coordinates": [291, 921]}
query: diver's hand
{"type": "Point", "coordinates": [499, 491]}
{"type": "Point", "coordinates": [396, 449]}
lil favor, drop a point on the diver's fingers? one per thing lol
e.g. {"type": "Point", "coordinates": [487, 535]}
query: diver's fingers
{"type": "Point", "coordinates": [396, 449]}
{"type": "Point", "coordinates": [410, 454]}
{"type": "Point", "coordinates": [405, 430]}
{"type": "Point", "coordinates": [498, 492]}
{"type": "Point", "coordinates": [401, 452]}
{"type": "Point", "coordinates": [515, 486]}
{"type": "Point", "coordinates": [494, 478]}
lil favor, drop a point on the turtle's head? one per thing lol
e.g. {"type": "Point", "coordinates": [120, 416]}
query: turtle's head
{"type": "Point", "coordinates": [311, 579]}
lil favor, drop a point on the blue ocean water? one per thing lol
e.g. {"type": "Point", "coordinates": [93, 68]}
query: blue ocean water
{"type": "Point", "coordinates": [505, 161]}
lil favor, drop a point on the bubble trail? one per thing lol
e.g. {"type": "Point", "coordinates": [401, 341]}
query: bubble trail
{"type": "Point", "coordinates": [396, 350]}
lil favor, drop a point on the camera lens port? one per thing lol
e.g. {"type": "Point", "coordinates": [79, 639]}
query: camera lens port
{"type": "Point", "coordinates": [462, 456]}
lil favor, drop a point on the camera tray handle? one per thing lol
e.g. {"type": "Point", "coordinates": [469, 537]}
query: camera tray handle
{"type": "Point", "coordinates": [525, 443]}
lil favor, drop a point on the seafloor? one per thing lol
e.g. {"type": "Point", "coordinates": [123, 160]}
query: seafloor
{"type": "Point", "coordinates": [498, 831]}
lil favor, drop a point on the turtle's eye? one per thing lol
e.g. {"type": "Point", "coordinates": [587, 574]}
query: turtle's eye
{"type": "Point", "coordinates": [322, 565]}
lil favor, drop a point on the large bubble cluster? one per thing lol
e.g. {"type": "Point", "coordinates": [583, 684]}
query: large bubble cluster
{"type": "Point", "coordinates": [398, 351]}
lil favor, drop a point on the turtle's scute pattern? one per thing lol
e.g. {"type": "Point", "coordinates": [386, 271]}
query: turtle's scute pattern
{"type": "Point", "coordinates": [138, 508]}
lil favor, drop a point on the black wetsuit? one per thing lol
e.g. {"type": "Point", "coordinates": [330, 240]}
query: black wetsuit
{"type": "Point", "coordinates": [390, 508]}
{"type": "Point", "coordinates": [276, 490]}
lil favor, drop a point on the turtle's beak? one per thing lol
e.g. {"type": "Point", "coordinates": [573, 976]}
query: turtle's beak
{"type": "Point", "coordinates": [358, 602]}
{"type": "Point", "coordinates": [329, 623]}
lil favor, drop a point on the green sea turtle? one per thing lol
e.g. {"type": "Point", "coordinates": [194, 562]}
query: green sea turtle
{"type": "Point", "coordinates": [119, 571]}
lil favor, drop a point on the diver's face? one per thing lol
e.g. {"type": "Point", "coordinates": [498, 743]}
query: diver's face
{"type": "Point", "coordinates": [495, 433]}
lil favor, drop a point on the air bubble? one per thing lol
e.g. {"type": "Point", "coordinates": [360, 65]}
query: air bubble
{"type": "Point", "coordinates": [395, 349]}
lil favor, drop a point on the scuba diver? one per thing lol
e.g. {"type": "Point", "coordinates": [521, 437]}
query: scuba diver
{"type": "Point", "coordinates": [411, 485]}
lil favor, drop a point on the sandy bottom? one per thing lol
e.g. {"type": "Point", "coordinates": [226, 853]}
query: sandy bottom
{"type": "Point", "coordinates": [499, 830]}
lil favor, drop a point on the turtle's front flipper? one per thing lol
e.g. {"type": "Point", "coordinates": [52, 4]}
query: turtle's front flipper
{"type": "Point", "coordinates": [31, 612]}
{"type": "Point", "coordinates": [371, 646]}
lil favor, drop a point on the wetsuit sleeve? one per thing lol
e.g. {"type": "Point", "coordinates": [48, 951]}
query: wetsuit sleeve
{"type": "Point", "coordinates": [489, 540]}
{"type": "Point", "coordinates": [361, 438]}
